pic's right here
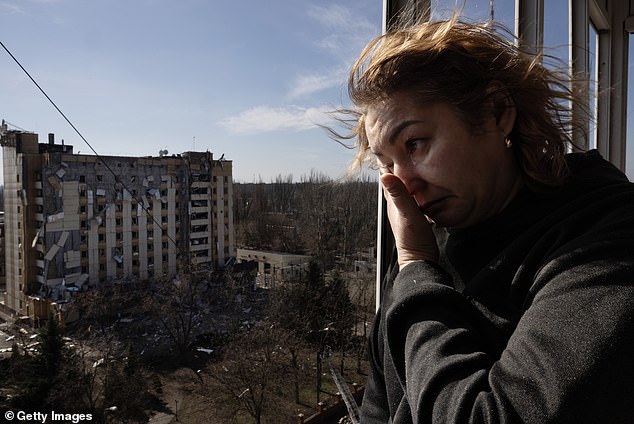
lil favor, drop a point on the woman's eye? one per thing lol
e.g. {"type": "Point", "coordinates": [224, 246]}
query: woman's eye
{"type": "Point", "coordinates": [384, 168]}
{"type": "Point", "coordinates": [414, 143]}
{"type": "Point", "coordinates": [388, 169]}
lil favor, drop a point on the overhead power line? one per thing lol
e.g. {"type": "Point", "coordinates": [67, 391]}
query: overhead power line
{"type": "Point", "coordinates": [49, 99]}
{"type": "Point", "coordinates": [81, 135]}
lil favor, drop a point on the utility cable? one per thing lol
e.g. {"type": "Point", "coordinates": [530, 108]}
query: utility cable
{"type": "Point", "coordinates": [51, 101]}
{"type": "Point", "coordinates": [117, 179]}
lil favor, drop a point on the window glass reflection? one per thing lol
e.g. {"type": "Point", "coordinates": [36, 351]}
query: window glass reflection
{"type": "Point", "coordinates": [594, 84]}
{"type": "Point", "coordinates": [629, 157]}
{"type": "Point", "coordinates": [556, 29]}
{"type": "Point", "coordinates": [503, 12]}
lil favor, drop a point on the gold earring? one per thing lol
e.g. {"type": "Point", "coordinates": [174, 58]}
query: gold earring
{"type": "Point", "coordinates": [508, 142]}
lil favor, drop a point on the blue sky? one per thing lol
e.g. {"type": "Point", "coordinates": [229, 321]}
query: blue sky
{"type": "Point", "coordinates": [246, 79]}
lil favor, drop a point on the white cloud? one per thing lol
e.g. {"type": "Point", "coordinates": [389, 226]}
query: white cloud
{"type": "Point", "coordinates": [344, 34]}
{"type": "Point", "coordinates": [343, 37]}
{"type": "Point", "coordinates": [10, 8]}
{"type": "Point", "coordinates": [266, 119]}
{"type": "Point", "coordinates": [333, 16]}
{"type": "Point", "coordinates": [346, 31]}
{"type": "Point", "coordinates": [306, 85]}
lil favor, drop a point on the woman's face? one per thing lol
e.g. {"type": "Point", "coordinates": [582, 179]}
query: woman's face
{"type": "Point", "coordinates": [456, 176]}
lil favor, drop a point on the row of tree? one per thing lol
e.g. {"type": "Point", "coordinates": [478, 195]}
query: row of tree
{"type": "Point", "coordinates": [329, 220]}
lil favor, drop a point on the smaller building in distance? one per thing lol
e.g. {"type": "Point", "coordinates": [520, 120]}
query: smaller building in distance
{"type": "Point", "coordinates": [73, 220]}
{"type": "Point", "coordinates": [274, 267]}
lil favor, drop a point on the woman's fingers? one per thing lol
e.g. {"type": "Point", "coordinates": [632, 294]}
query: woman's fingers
{"type": "Point", "coordinates": [412, 232]}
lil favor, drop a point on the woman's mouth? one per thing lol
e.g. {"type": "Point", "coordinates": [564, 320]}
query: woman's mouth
{"type": "Point", "coordinates": [432, 206]}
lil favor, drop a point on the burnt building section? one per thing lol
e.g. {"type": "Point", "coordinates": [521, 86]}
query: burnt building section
{"type": "Point", "coordinates": [74, 221]}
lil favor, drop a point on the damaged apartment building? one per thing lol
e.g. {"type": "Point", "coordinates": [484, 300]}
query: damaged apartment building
{"type": "Point", "coordinates": [75, 221]}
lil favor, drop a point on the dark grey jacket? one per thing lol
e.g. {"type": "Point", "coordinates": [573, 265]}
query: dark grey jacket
{"type": "Point", "coordinates": [543, 330]}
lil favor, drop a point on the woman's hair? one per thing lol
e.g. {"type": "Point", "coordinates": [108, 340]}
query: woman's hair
{"type": "Point", "coordinates": [477, 71]}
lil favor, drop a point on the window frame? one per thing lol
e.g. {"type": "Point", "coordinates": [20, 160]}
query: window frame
{"type": "Point", "coordinates": [613, 24]}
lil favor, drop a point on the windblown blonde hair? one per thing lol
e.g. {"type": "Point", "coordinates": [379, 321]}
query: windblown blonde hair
{"type": "Point", "coordinates": [471, 66]}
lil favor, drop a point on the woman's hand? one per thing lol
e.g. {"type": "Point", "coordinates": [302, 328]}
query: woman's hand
{"type": "Point", "coordinates": [412, 232]}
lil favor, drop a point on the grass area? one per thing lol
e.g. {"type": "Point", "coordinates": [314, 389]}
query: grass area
{"type": "Point", "coordinates": [194, 405]}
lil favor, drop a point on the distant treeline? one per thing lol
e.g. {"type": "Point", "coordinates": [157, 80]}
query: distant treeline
{"type": "Point", "coordinates": [316, 216]}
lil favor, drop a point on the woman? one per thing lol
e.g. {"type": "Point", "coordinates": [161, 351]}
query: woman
{"type": "Point", "coordinates": [525, 312]}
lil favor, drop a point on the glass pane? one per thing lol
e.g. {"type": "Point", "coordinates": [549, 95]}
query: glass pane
{"type": "Point", "coordinates": [556, 29]}
{"type": "Point", "coordinates": [481, 10]}
{"type": "Point", "coordinates": [557, 34]}
{"type": "Point", "coordinates": [629, 152]}
{"type": "Point", "coordinates": [594, 84]}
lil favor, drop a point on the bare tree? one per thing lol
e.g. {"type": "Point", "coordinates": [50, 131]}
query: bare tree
{"type": "Point", "coordinates": [355, 203]}
{"type": "Point", "coordinates": [176, 305]}
{"type": "Point", "coordinates": [250, 380]}
{"type": "Point", "coordinates": [283, 194]}
{"type": "Point", "coordinates": [294, 307]}
{"type": "Point", "coordinates": [317, 216]}
{"type": "Point", "coordinates": [362, 295]}
{"type": "Point", "coordinates": [318, 220]}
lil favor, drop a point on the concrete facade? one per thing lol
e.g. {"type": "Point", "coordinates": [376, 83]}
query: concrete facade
{"type": "Point", "coordinates": [74, 220]}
